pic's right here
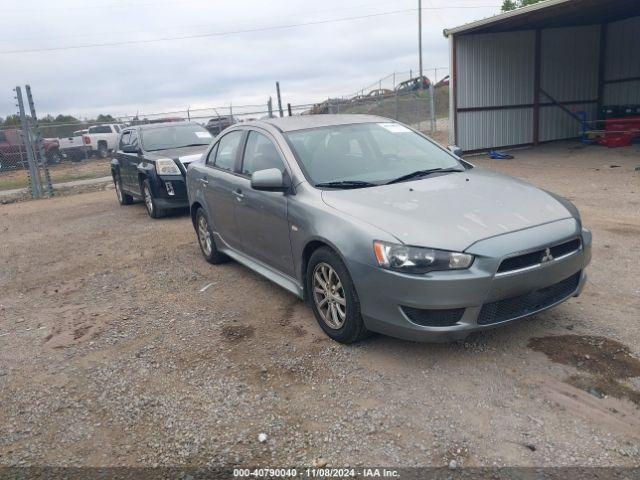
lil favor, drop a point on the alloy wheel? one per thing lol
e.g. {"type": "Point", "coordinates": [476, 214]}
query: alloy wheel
{"type": "Point", "coordinates": [118, 190]}
{"type": "Point", "coordinates": [148, 200]}
{"type": "Point", "coordinates": [329, 296]}
{"type": "Point", "coordinates": [203, 235]}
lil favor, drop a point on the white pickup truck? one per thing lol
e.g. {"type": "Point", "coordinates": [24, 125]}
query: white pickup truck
{"type": "Point", "coordinates": [102, 139]}
{"type": "Point", "coordinates": [73, 147]}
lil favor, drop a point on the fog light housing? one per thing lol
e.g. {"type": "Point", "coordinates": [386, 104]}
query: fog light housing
{"type": "Point", "coordinates": [169, 187]}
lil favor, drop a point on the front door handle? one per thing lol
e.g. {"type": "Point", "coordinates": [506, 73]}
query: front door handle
{"type": "Point", "coordinates": [239, 195]}
{"type": "Point", "coordinates": [204, 181]}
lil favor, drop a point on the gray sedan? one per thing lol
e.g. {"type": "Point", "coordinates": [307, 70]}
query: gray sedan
{"type": "Point", "coordinates": [380, 229]}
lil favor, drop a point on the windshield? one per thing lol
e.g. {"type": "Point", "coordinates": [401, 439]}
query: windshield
{"type": "Point", "coordinates": [174, 136]}
{"type": "Point", "coordinates": [367, 153]}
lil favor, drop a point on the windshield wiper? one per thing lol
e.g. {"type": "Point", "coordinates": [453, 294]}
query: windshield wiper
{"type": "Point", "coordinates": [422, 173]}
{"type": "Point", "coordinates": [346, 184]}
{"type": "Point", "coordinates": [192, 145]}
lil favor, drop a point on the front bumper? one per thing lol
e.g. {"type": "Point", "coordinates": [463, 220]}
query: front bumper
{"type": "Point", "coordinates": [170, 192]}
{"type": "Point", "coordinates": [478, 298]}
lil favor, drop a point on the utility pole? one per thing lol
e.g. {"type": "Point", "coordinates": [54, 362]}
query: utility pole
{"type": "Point", "coordinates": [420, 36]}
{"type": "Point", "coordinates": [279, 100]}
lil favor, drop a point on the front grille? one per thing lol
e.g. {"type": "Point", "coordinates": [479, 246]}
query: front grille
{"type": "Point", "coordinates": [527, 304]}
{"type": "Point", "coordinates": [534, 258]}
{"type": "Point", "coordinates": [434, 318]}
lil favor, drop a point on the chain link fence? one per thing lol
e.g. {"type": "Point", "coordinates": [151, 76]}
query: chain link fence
{"type": "Point", "coordinates": [42, 156]}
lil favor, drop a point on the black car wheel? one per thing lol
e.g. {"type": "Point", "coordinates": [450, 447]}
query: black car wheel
{"type": "Point", "coordinates": [333, 297]}
{"type": "Point", "coordinates": [123, 198]}
{"type": "Point", "coordinates": [54, 157]}
{"type": "Point", "coordinates": [206, 240]}
{"type": "Point", "coordinates": [150, 201]}
{"type": "Point", "coordinates": [103, 151]}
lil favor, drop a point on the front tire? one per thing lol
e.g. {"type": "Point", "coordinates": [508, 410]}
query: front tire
{"type": "Point", "coordinates": [150, 201]}
{"type": "Point", "coordinates": [333, 297]}
{"type": "Point", "coordinates": [206, 241]}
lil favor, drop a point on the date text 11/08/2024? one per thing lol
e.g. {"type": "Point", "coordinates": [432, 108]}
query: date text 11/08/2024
{"type": "Point", "coordinates": [315, 473]}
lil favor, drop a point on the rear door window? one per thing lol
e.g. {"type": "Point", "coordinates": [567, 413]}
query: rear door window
{"type": "Point", "coordinates": [228, 150]}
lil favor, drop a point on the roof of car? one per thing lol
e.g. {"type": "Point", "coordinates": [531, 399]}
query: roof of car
{"type": "Point", "coordinates": [302, 122]}
{"type": "Point", "coordinates": [148, 126]}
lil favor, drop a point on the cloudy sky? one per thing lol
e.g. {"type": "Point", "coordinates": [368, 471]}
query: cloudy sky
{"type": "Point", "coordinates": [234, 52]}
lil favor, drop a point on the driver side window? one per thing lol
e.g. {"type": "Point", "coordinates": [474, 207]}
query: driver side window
{"type": "Point", "coordinates": [260, 154]}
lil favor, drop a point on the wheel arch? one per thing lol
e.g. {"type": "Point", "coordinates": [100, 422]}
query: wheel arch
{"type": "Point", "coordinates": [193, 209]}
{"type": "Point", "coordinates": [310, 247]}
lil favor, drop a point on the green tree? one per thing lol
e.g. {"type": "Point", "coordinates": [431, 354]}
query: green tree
{"type": "Point", "coordinates": [508, 5]}
{"type": "Point", "coordinates": [12, 121]}
{"type": "Point", "coordinates": [65, 119]}
{"type": "Point", "coordinates": [105, 118]}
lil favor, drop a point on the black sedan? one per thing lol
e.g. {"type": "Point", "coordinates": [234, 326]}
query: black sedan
{"type": "Point", "coordinates": [151, 164]}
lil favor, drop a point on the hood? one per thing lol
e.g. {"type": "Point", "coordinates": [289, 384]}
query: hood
{"type": "Point", "coordinates": [452, 211]}
{"type": "Point", "coordinates": [185, 155]}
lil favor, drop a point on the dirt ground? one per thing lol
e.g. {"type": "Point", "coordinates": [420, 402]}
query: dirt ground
{"type": "Point", "coordinates": [120, 345]}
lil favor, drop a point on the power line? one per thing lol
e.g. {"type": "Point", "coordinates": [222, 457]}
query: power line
{"type": "Point", "coordinates": [231, 32]}
{"type": "Point", "coordinates": [113, 6]}
{"type": "Point", "coordinates": [203, 25]}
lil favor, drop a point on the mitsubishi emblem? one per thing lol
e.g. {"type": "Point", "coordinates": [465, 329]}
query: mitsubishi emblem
{"type": "Point", "coordinates": [547, 257]}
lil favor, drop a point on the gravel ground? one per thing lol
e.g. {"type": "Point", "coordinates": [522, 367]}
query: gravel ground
{"type": "Point", "coordinates": [113, 352]}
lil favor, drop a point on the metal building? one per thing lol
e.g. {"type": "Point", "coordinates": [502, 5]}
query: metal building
{"type": "Point", "coordinates": [513, 75]}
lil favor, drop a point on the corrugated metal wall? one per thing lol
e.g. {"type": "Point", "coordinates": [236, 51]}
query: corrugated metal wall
{"type": "Point", "coordinates": [484, 129]}
{"type": "Point", "coordinates": [569, 63]}
{"type": "Point", "coordinates": [494, 70]}
{"type": "Point", "coordinates": [497, 70]}
{"type": "Point", "coordinates": [555, 124]}
{"type": "Point", "coordinates": [627, 93]}
{"type": "Point", "coordinates": [569, 67]}
{"type": "Point", "coordinates": [623, 61]}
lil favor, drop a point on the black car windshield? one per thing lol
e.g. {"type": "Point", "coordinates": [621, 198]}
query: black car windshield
{"type": "Point", "coordinates": [174, 136]}
{"type": "Point", "coordinates": [367, 153]}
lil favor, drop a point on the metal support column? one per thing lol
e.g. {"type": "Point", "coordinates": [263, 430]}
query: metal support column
{"type": "Point", "coordinates": [39, 146]}
{"type": "Point", "coordinates": [34, 174]}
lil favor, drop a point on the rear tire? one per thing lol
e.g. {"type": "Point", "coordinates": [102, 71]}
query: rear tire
{"type": "Point", "coordinates": [150, 201]}
{"type": "Point", "coordinates": [54, 157]}
{"type": "Point", "coordinates": [123, 198]}
{"type": "Point", "coordinates": [103, 151]}
{"type": "Point", "coordinates": [206, 240]}
{"type": "Point", "coordinates": [333, 297]}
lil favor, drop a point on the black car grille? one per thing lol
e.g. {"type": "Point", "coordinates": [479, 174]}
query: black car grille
{"type": "Point", "coordinates": [530, 303]}
{"type": "Point", "coordinates": [534, 258]}
{"type": "Point", "coordinates": [434, 318]}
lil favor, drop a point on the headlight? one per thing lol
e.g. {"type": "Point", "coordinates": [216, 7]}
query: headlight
{"type": "Point", "coordinates": [418, 260]}
{"type": "Point", "coordinates": [166, 166]}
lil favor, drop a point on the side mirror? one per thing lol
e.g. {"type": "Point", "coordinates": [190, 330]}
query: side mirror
{"type": "Point", "coordinates": [130, 149]}
{"type": "Point", "coordinates": [456, 150]}
{"type": "Point", "coordinates": [270, 180]}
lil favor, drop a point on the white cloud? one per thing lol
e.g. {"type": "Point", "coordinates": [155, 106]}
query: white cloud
{"type": "Point", "coordinates": [311, 62]}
